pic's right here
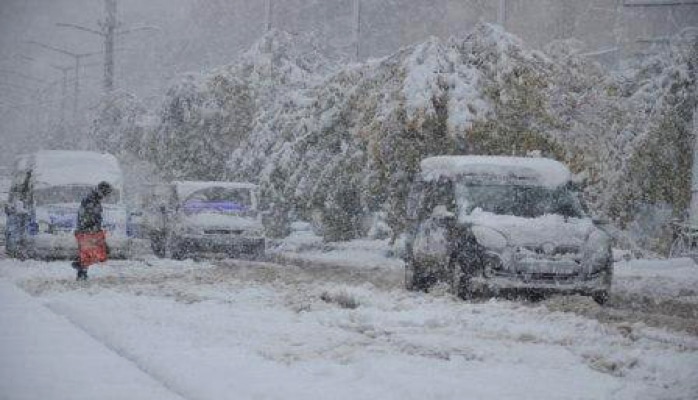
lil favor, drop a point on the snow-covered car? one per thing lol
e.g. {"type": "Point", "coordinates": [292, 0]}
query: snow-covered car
{"type": "Point", "coordinates": [202, 219]}
{"type": "Point", "coordinates": [487, 225]}
{"type": "Point", "coordinates": [45, 194]}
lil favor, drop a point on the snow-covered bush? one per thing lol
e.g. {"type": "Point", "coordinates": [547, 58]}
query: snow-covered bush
{"type": "Point", "coordinates": [331, 142]}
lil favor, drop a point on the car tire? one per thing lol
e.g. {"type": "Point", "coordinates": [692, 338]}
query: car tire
{"type": "Point", "coordinates": [157, 244]}
{"type": "Point", "coordinates": [416, 278]}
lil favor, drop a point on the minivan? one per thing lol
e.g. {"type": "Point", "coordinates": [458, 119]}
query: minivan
{"type": "Point", "coordinates": [45, 194]}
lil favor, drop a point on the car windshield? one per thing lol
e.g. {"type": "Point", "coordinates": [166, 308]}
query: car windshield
{"type": "Point", "coordinates": [68, 194]}
{"type": "Point", "coordinates": [219, 200]}
{"type": "Point", "coordinates": [516, 200]}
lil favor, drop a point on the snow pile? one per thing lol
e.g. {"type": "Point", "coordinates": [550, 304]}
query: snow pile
{"type": "Point", "coordinates": [671, 278]}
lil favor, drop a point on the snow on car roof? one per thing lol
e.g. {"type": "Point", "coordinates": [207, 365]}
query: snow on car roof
{"type": "Point", "coordinates": [67, 167]}
{"type": "Point", "coordinates": [536, 171]}
{"type": "Point", "coordinates": [185, 188]}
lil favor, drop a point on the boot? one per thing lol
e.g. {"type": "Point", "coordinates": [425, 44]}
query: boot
{"type": "Point", "coordinates": [82, 275]}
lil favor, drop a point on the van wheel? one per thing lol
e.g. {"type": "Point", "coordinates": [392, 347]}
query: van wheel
{"type": "Point", "coordinates": [600, 297]}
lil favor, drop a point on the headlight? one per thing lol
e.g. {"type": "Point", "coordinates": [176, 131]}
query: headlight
{"type": "Point", "coordinates": [597, 250]}
{"type": "Point", "coordinates": [492, 263]}
{"type": "Point", "coordinates": [44, 227]}
{"type": "Point", "coordinates": [489, 238]}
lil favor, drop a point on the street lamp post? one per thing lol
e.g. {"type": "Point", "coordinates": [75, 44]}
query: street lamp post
{"type": "Point", "coordinates": [77, 57]}
{"type": "Point", "coordinates": [269, 14]}
{"type": "Point", "coordinates": [64, 90]}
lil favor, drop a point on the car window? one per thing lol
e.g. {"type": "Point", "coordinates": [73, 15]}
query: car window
{"type": "Point", "coordinates": [219, 199]}
{"type": "Point", "coordinates": [518, 200]}
{"type": "Point", "coordinates": [69, 194]}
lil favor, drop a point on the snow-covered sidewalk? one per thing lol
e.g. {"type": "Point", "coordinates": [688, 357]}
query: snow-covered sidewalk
{"type": "Point", "coordinates": [45, 356]}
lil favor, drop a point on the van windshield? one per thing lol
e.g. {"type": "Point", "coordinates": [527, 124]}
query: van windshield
{"type": "Point", "coordinates": [69, 194]}
{"type": "Point", "coordinates": [219, 200]}
{"type": "Point", "coordinates": [520, 201]}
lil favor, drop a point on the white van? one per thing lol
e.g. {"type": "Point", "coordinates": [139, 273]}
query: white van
{"type": "Point", "coordinates": [486, 225]}
{"type": "Point", "coordinates": [44, 198]}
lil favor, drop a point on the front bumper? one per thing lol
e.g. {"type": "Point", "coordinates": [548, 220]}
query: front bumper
{"type": "Point", "coordinates": [229, 245]}
{"type": "Point", "coordinates": [580, 283]}
{"type": "Point", "coordinates": [65, 246]}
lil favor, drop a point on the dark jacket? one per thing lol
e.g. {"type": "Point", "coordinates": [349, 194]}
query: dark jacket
{"type": "Point", "coordinates": [90, 213]}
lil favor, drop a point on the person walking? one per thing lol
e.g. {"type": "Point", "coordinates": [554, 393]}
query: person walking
{"type": "Point", "coordinates": [89, 234]}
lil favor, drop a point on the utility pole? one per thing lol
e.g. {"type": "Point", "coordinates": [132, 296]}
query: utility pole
{"type": "Point", "coordinates": [357, 29]}
{"type": "Point", "coordinates": [502, 14]}
{"type": "Point", "coordinates": [109, 29]}
{"type": "Point", "coordinates": [268, 15]}
{"type": "Point", "coordinates": [693, 207]}
{"type": "Point", "coordinates": [108, 32]}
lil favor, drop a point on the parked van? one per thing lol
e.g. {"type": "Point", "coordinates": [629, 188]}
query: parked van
{"type": "Point", "coordinates": [204, 219]}
{"type": "Point", "coordinates": [46, 191]}
{"type": "Point", "coordinates": [487, 225]}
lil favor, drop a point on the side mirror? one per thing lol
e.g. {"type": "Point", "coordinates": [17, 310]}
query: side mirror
{"type": "Point", "coordinates": [599, 221]}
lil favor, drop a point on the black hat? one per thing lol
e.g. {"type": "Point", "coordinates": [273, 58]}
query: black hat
{"type": "Point", "coordinates": [104, 188]}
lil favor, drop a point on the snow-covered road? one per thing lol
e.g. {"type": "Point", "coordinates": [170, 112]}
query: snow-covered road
{"type": "Point", "coordinates": [243, 330]}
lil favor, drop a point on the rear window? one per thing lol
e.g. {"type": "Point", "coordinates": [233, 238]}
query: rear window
{"type": "Point", "coordinates": [219, 199]}
{"type": "Point", "coordinates": [69, 194]}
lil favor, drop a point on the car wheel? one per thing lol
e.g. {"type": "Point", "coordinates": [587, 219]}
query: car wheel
{"type": "Point", "coordinates": [417, 277]}
{"type": "Point", "coordinates": [157, 244]}
{"type": "Point", "coordinates": [458, 281]}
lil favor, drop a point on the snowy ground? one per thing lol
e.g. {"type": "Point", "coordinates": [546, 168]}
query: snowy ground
{"type": "Point", "coordinates": [339, 325]}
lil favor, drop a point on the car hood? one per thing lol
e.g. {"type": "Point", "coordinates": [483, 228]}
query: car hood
{"type": "Point", "coordinates": [520, 231]}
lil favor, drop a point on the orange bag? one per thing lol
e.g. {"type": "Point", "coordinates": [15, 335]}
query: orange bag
{"type": "Point", "coordinates": [92, 248]}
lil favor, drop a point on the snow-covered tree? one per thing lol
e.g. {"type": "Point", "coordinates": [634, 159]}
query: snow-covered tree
{"type": "Point", "coordinates": [121, 124]}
